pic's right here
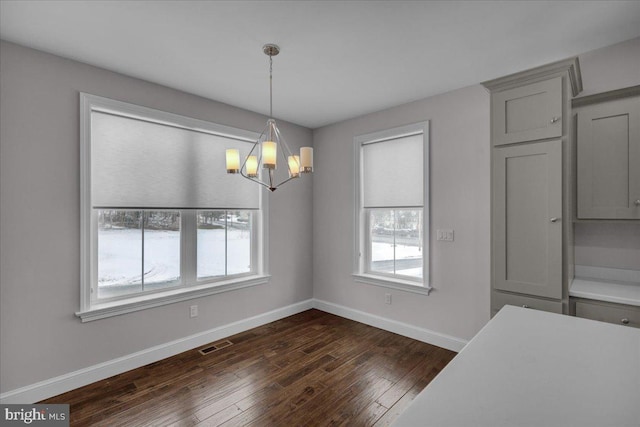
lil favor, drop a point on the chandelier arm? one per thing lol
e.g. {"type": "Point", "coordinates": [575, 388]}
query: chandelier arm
{"type": "Point", "coordinates": [271, 179]}
{"type": "Point", "coordinates": [257, 181]}
{"type": "Point", "coordinates": [244, 164]}
{"type": "Point", "coordinates": [270, 187]}
{"type": "Point", "coordinates": [283, 143]}
{"type": "Point", "coordinates": [285, 181]}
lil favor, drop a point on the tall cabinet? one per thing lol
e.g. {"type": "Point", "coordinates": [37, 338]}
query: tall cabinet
{"type": "Point", "coordinates": [532, 197]}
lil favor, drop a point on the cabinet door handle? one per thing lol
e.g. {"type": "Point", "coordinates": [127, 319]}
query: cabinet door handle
{"type": "Point", "coordinates": [625, 321]}
{"type": "Point", "coordinates": [554, 119]}
{"type": "Point", "coordinates": [554, 219]}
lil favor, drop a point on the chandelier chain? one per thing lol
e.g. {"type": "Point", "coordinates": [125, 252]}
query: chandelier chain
{"type": "Point", "coordinates": [270, 86]}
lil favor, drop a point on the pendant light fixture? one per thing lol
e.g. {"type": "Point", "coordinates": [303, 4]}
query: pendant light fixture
{"type": "Point", "coordinates": [270, 144]}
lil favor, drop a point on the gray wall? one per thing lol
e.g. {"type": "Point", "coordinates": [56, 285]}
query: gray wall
{"type": "Point", "coordinates": [459, 136]}
{"type": "Point", "coordinates": [40, 337]}
{"type": "Point", "coordinates": [614, 245]}
{"type": "Point", "coordinates": [608, 245]}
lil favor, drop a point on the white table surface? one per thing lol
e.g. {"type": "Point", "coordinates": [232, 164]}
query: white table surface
{"type": "Point", "coordinates": [538, 369]}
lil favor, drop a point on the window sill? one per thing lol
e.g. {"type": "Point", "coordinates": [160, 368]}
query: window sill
{"type": "Point", "coordinates": [116, 308]}
{"type": "Point", "coordinates": [403, 285]}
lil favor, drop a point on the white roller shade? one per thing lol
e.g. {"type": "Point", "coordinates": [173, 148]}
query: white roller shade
{"type": "Point", "coordinates": [392, 172]}
{"type": "Point", "coordinates": [135, 163]}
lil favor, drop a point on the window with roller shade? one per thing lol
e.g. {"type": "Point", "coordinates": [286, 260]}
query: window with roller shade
{"type": "Point", "coordinates": [161, 219]}
{"type": "Point", "coordinates": [392, 208]}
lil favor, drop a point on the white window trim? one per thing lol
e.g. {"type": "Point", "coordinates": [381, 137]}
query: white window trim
{"type": "Point", "coordinates": [88, 241]}
{"type": "Point", "coordinates": [360, 273]}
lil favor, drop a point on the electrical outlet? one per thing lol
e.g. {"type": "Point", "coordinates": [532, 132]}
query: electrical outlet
{"type": "Point", "coordinates": [444, 235]}
{"type": "Point", "coordinates": [387, 298]}
{"type": "Point", "coordinates": [193, 311]}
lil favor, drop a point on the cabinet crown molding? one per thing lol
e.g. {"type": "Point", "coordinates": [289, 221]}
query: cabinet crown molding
{"type": "Point", "coordinates": [611, 95]}
{"type": "Point", "coordinates": [570, 65]}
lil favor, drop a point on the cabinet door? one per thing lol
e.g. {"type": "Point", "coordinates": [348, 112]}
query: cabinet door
{"type": "Point", "coordinates": [528, 113]}
{"type": "Point", "coordinates": [609, 160]}
{"type": "Point", "coordinates": [527, 210]}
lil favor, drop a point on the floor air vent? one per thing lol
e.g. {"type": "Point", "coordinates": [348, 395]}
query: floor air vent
{"type": "Point", "coordinates": [215, 346]}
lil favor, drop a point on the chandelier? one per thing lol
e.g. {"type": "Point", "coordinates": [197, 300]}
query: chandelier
{"type": "Point", "coordinates": [270, 143]}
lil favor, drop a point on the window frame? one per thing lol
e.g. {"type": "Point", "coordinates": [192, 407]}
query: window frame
{"type": "Point", "coordinates": [361, 255]}
{"type": "Point", "coordinates": [190, 287]}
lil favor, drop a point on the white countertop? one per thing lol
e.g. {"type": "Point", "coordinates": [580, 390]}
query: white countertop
{"type": "Point", "coordinates": [606, 284]}
{"type": "Point", "coordinates": [620, 292]}
{"type": "Point", "coordinates": [533, 368]}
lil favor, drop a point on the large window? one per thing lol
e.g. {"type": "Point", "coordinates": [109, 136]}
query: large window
{"type": "Point", "coordinates": [392, 211]}
{"type": "Point", "coordinates": [162, 221]}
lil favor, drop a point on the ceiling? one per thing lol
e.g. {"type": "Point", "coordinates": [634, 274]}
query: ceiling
{"type": "Point", "coordinates": [338, 59]}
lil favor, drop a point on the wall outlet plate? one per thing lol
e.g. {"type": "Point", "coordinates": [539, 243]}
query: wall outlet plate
{"type": "Point", "coordinates": [193, 311]}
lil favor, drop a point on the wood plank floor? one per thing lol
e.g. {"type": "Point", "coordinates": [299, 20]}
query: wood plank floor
{"type": "Point", "coordinates": [310, 369]}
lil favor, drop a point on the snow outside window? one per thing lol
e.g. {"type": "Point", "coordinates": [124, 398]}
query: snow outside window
{"type": "Point", "coordinates": [224, 243]}
{"type": "Point", "coordinates": [137, 251]}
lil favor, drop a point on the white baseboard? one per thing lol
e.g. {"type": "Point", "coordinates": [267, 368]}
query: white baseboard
{"type": "Point", "coordinates": [63, 383]}
{"type": "Point", "coordinates": [54, 386]}
{"type": "Point", "coordinates": [414, 332]}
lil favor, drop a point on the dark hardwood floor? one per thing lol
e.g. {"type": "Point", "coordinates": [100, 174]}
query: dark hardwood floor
{"type": "Point", "coordinates": [309, 369]}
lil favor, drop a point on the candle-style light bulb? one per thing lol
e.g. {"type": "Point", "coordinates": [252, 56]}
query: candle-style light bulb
{"type": "Point", "coordinates": [233, 160]}
{"type": "Point", "coordinates": [306, 160]}
{"type": "Point", "coordinates": [269, 150]}
{"type": "Point", "coordinates": [252, 166]}
{"type": "Point", "coordinates": [294, 166]}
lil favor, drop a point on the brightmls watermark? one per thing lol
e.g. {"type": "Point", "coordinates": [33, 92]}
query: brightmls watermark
{"type": "Point", "coordinates": [34, 415]}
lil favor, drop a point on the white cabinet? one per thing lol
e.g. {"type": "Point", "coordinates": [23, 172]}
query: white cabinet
{"type": "Point", "coordinates": [528, 113]}
{"type": "Point", "coordinates": [531, 186]}
{"type": "Point", "coordinates": [608, 160]}
{"type": "Point", "coordinates": [527, 219]}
